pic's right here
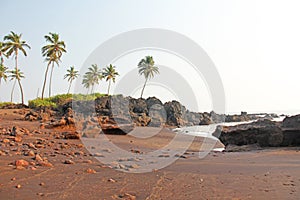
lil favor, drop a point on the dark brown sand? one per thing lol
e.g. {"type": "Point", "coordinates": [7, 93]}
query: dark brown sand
{"type": "Point", "coordinates": [267, 174]}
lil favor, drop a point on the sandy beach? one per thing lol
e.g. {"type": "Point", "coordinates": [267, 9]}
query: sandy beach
{"type": "Point", "coordinates": [74, 172]}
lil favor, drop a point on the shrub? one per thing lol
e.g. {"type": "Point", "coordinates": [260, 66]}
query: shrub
{"type": "Point", "coordinates": [36, 103]}
{"type": "Point", "coordinates": [61, 99]}
{"type": "Point", "coordinates": [3, 104]}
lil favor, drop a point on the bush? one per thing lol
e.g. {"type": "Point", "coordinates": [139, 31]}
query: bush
{"type": "Point", "coordinates": [36, 103]}
{"type": "Point", "coordinates": [3, 104]}
{"type": "Point", "coordinates": [61, 99]}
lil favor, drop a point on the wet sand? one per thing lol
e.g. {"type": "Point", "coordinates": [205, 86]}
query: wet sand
{"type": "Point", "coordinates": [266, 174]}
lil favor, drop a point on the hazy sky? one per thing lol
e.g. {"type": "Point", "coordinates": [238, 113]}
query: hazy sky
{"type": "Point", "coordinates": [255, 45]}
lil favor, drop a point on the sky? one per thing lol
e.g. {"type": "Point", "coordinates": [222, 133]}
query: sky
{"type": "Point", "coordinates": [254, 44]}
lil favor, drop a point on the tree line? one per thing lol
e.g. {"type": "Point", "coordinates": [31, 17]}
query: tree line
{"type": "Point", "coordinates": [13, 45]}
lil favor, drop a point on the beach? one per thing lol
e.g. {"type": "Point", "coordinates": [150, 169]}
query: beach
{"type": "Point", "coordinates": [75, 172]}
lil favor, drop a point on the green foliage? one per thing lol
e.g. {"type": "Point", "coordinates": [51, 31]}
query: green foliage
{"type": "Point", "coordinates": [36, 103]}
{"type": "Point", "coordinates": [2, 104]}
{"type": "Point", "coordinates": [61, 99]}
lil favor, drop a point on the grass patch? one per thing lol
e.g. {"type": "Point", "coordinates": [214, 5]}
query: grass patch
{"type": "Point", "coordinates": [61, 99]}
{"type": "Point", "coordinates": [3, 104]}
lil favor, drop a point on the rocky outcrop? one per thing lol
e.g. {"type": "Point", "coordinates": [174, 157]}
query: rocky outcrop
{"type": "Point", "coordinates": [127, 111]}
{"type": "Point", "coordinates": [265, 133]}
{"type": "Point", "coordinates": [292, 122]}
{"type": "Point", "coordinates": [13, 106]}
{"type": "Point", "coordinates": [176, 113]}
{"type": "Point", "coordinates": [291, 131]}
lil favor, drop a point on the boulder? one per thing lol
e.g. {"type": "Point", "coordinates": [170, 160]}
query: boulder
{"type": "Point", "coordinates": [175, 113]}
{"type": "Point", "coordinates": [292, 122]}
{"type": "Point", "coordinates": [138, 105]}
{"type": "Point", "coordinates": [153, 101]}
{"type": "Point", "coordinates": [264, 133]}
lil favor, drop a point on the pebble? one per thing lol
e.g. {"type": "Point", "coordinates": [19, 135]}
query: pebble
{"type": "Point", "coordinates": [111, 180]}
{"type": "Point", "coordinates": [45, 164]}
{"type": "Point", "coordinates": [21, 163]}
{"type": "Point", "coordinates": [31, 153]}
{"type": "Point", "coordinates": [98, 155]}
{"type": "Point", "coordinates": [5, 140]}
{"type": "Point", "coordinates": [87, 161]}
{"type": "Point", "coordinates": [127, 196]}
{"type": "Point", "coordinates": [69, 162]}
{"type": "Point", "coordinates": [18, 139]}
{"type": "Point", "coordinates": [18, 186]}
{"type": "Point", "coordinates": [134, 166]}
{"type": "Point", "coordinates": [38, 158]}
{"type": "Point", "coordinates": [31, 146]}
{"type": "Point", "coordinates": [40, 194]}
{"type": "Point", "coordinates": [90, 171]}
{"type": "Point", "coordinates": [164, 156]}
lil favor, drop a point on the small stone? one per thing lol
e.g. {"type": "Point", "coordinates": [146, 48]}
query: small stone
{"type": "Point", "coordinates": [21, 163]}
{"type": "Point", "coordinates": [42, 184]}
{"type": "Point", "coordinates": [98, 155]}
{"type": "Point", "coordinates": [69, 162]}
{"type": "Point", "coordinates": [164, 156]}
{"type": "Point", "coordinates": [79, 153]}
{"type": "Point", "coordinates": [5, 140]}
{"type": "Point", "coordinates": [87, 161]}
{"type": "Point", "coordinates": [111, 180]}
{"type": "Point", "coordinates": [45, 164]}
{"type": "Point", "coordinates": [134, 166]}
{"type": "Point", "coordinates": [135, 151]}
{"type": "Point", "coordinates": [127, 196]}
{"type": "Point", "coordinates": [90, 171]}
{"type": "Point", "coordinates": [31, 153]}
{"type": "Point", "coordinates": [18, 139]}
{"type": "Point", "coordinates": [38, 158]}
{"type": "Point", "coordinates": [13, 179]}
{"type": "Point", "coordinates": [18, 186]}
{"type": "Point", "coordinates": [31, 146]}
{"type": "Point", "coordinates": [106, 150]}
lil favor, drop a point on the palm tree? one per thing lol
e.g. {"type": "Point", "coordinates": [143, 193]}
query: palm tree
{"type": "Point", "coordinates": [2, 53]}
{"type": "Point", "coordinates": [17, 75]}
{"type": "Point", "coordinates": [52, 53]}
{"type": "Point", "coordinates": [110, 73]}
{"type": "Point", "coordinates": [12, 45]}
{"type": "Point", "coordinates": [92, 77]}
{"type": "Point", "coordinates": [71, 75]}
{"type": "Point", "coordinates": [3, 73]}
{"type": "Point", "coordinates": [3, 69]}
{"type": "Point", "coordinates": [148, 69]}
{"type": "Point", "coordinates": [87, 82]}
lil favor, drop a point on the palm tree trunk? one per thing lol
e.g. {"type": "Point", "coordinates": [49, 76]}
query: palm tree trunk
{"type": "Point", "coordinates": [50, 83]}
{"type": "Point", "coordinates": [144, 87]}
{"type": "Point", "coordinates": [108, 87]}
{"type": "Point", "coordinates": [12, 92]}
{"type": "Point", "coordinates": [21, 89]}
{"type": "Point", "coordinates": [92, 90]}
{"type": "Point", "coordinates": [16, 66]}
{"type": "Point", "coordinates": [45, 79]}
{"type": "Point", "coordinates": [69, 86]}
{"type": "Point", "coordinates": [16, 59]}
